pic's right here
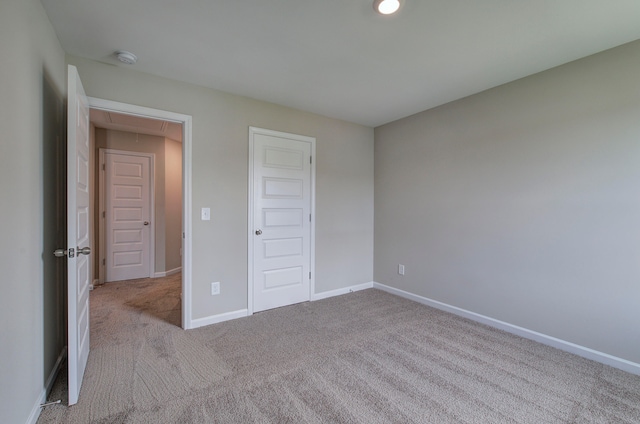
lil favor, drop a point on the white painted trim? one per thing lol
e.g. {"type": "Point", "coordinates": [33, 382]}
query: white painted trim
{"type": "Point", "coordinates": [215, 319]}
{"type": "Point", "coordinates": [103, 203]}
{"type": "Point", "coordinates": [187, 225]}
{"type": "Point", "coordinates": [37, 409]}
{"type": "Point", "coordinates": [250, 226]}
{"type": "Point", "coordinates": [56, 368]}
{"type": "Point", "coordinates": [250, 214]}
{"type": "Point", "coordinates": [312, 267]}
{"type": "Point", "coordinates": [42, 398]}
{"type": "Point", "coordinates": [585, 352]}
{"type": "Point", "coordinates": [167, 273]}
{"type": "Point", "coordinates": [102, 267]}
{"type": "Point", "coordinates": [339, 292]}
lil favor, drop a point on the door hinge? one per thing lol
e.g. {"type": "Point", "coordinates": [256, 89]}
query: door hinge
{"type": "Point", "coordinates": [310, 159]}
{"type": "Point", "coordinates": [103, 167]}
{"type": "Point", "coordinates": [309, 275]}
{"type": "Point", "coordinates": [309, 217]}
{"type": "Point", "coordinates": [104, 214]}
{"type": "Point", "coordinates": [104, 261]}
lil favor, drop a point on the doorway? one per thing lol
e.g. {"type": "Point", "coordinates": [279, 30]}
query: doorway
{"type": "Point", "coordinates": [139, 126]}
{"type": "Point", "coordinates": [126, 214]}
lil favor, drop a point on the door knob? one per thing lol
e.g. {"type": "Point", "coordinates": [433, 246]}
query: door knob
{"type": "Point", "coordinates": [146, 222]}
{"type": "Point", "coordinates": [84, 251]}
{"type": "Point", "coordinates": [258, 232]}
{"type": "Point", "coordinates": [60, 253]}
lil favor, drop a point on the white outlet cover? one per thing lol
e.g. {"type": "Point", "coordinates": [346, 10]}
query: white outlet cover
{"type": "Point", "coordinates": [205, 214]}
{"type": "Point", "coordinates": [215, 288]}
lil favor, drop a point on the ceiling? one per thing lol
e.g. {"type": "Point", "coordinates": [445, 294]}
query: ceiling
{"type": "Point", "coordinates": [338, 58]}
{"type": "Point", "coordinates": [136, 124]}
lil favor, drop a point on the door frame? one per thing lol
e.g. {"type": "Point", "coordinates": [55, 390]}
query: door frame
{"type": "Point", "coordinates": [250, 211]}
{"type": "Point", "coordinates": [187, 224]}
{"type": "Point", "coordinates": [102, 201]}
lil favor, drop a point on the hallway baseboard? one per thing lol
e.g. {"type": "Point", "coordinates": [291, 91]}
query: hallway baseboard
{"type": "Point", "coordinates": [167, 273]}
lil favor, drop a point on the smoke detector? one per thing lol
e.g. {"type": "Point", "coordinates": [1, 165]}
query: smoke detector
{"type": "Point", "coordinates": [126, 57]}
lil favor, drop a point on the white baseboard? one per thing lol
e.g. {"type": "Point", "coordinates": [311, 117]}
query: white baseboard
{"type": "Point", "coordinates": [214, 319]}
{"type": "Point", "coordinates": [42, 398]}
{"type": "Point", "coordinates": [344, 290]}
{"type": "Point", "coordinates": [94, 284]}
{"type": "Point", "coordinates": [167, 273]}
{"type": "Point", "coordinates": [56, 368]}
{"type": "Point", "coordinates": [585, 352]}
{"type": "Point", "coordinates": [35, 411]}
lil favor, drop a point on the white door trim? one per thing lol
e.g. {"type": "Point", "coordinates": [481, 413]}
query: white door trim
{"type": "Point", "coordinates": [186, 121]}
{"type": "Point", "coordinates": [250, 214]}
{"type": "Point", "coordinates": [103, 202]}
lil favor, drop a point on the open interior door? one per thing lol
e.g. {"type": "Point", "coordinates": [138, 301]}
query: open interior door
{"type": "Point", "coordinates": [78, 241]}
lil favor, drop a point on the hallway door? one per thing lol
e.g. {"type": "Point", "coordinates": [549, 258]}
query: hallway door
{"type": "Point", "coordinates": [128, 226]}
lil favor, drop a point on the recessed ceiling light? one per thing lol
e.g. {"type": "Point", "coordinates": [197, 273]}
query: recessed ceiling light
{"type": "Point", "coordinates": [386, 7]}
{"type": "Point", "coordinates": [126, 57]}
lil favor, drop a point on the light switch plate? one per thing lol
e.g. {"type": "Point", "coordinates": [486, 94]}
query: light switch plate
{"type": "Point", "coordinates": [205, 215]}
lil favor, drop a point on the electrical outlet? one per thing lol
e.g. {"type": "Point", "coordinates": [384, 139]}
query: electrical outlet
{"type": "Point", "coordinates": [400, 269]}
{"type": "Point", "coordinates": [205, 214]}
{"type": "Point", "coordinates": [215, 288]}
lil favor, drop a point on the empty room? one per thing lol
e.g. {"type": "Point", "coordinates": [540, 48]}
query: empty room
{"type": "Point", "coordinates": [366, 211]}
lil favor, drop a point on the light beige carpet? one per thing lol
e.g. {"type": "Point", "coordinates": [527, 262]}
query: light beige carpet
{"type": "Point", "coordinates": [365, 357]}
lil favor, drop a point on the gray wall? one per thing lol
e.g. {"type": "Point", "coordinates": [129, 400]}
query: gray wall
{"type": "Point", "coordinates": [344, 188]}
{"type": "Point", "coordinates": [522, 203]}
{"type": "Point", "coordinates": [32, 83]}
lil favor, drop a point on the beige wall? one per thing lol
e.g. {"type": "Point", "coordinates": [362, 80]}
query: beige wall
{"type": "Point", "coordinates": [521, 203]}
{"type": "Point", "coordinates": [344, 218]}
{"type": "Point", "coordinates": [32, 83]}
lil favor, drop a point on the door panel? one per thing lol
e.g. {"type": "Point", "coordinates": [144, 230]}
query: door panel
{"type": "Point", "coordinates": [283, 247]}
{"type": "Point", "coordinates": [281, 218]}
{"type": "Point", "coordinates": [127, 216]}
{"type": "Point", "coordinates": [284, 218]}
{"type": "Point", "coordinates": [281, 188]}
{"type": "Point", "coordinates": [282, 277]}
{"type": "Point", "coordinates": [77, 232]}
